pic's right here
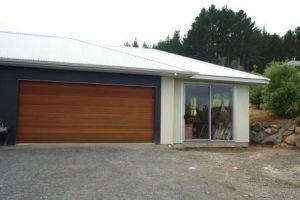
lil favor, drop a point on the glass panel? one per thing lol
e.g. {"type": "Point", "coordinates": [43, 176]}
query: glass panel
{"type": "Point", "coordinates": [196, 112]}
{"type": "Point", "coordinates": [221, 112]}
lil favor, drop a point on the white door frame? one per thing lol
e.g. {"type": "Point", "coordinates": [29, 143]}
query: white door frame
{"type": "Point", "coordinates": [183, 98]}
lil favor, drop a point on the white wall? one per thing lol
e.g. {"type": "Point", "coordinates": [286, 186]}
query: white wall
{"type": "Point", "coordinates": [167, 110]}
{"type": "Point", "coordinates": [178, 111]}
{"type": "Point", "coordinates": [172, 111]}
{"type": "Point", "coordinates": [241, 113]}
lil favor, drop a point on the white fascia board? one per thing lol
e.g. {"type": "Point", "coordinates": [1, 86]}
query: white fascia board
{"type": "Point", "coordinates": [230, 79]}
{"type": "Point", "coordinates": [93, 68]}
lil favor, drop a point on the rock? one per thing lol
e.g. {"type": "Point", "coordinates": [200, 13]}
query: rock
{"type": "Point", "coordinates": [291, 139]}
{"type": "Point", "coordinates": [281, 145]}
{"type": "Point", "coordinates": [271, 131]}
{"type": "Point", "coordinates": [287, 133]}
{"type": "Point", "coordinates": [292, 128]}
{"type": "Point", "coordinates": [297, 142]}
{"type": "Point", "coordinates": [274, 139]}
{"type": "Point", "coordinates": [284, 145]}
{"type": "Point", "coordinates": [268, 131]}
{"type": "Point", "coordinates": [275, 126]}
{"type": "Point", "coordinates": [297, 130]}
{"type": "Point", "coordinates": [266, 124]}
{"type": "Point", "coordinates": [258, 136]}
{"type": "Point", "coordinates": [281, 131]}
{"type": "Point", "coordinates": [287, 125]}
{"type": "Point", "coordinates": [256, 126]}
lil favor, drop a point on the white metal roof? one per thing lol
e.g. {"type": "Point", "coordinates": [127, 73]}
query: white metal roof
{"type": "Point", "coordinates": [205, 70]}
{"type": "Point", "coordinates": [295, 63]}
{"type": "Point", "coordinates": [68, 53]}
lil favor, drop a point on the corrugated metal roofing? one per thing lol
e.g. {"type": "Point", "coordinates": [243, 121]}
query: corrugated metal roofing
{"type": "Point", "coordinates": [295, 63]}
{"type": "Point", "coordinates": [205, 70]}
{"type": "Point", "coordinates": [68, 53]}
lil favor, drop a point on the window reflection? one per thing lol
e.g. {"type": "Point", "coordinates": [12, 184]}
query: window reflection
{"type": "Point", "coordinates": [221, 112]}
{"type": "Point", "coordinates": [198, 116]}
{"type": "Point", "coordinates": [197, 112]}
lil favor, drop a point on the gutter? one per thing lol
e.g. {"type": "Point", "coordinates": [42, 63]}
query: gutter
{"type": "Point", "coordinates": [231, 79]}
{"type": "Point", "coordinates": [125, 70]}
{"type": "Point", "coordinates": [93, 67]}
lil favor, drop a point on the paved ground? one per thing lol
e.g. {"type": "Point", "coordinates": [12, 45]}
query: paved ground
{"type": "Point", "coordinates": [131, 171]}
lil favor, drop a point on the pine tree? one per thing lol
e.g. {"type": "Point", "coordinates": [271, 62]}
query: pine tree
{"type": "Point", "coordinates": [135, 43]}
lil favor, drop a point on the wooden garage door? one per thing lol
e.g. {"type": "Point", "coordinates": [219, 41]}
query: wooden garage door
{"type": "Point", "coordinates": [63, 112]}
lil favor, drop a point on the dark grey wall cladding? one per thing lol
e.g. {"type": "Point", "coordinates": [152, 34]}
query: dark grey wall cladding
{"type": "Point", "coordinates": [9, 89]}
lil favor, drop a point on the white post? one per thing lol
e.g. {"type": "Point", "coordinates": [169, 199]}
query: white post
{"type": "Point", "coordinates": [167, 110]}
{"type": "Point", "coordinates": [241, 113]}
{"type": "Point", "coordinates": [178, 111]}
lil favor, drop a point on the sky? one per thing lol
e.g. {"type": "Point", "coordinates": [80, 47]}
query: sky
{"type": "Point", "coordinates": [113, 22]}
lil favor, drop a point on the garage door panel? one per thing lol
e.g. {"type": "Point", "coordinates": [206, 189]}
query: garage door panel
{"type": "Point", "coordinates": [42, 133]}
{"type": "Point", "coordinates": [78, 100]}
{"type": "Point", "coordinates": [58, 130]}
{"type": "Point", "coordinates": [86, 126]}
{"type": "Point", "coordinates": [108, 109]}
{"type": "Point", "coordinates": [85, 140]}
{"type": "Point", "coordinates": [81, 120]}
{"type": "Point", "coordinates": [54, 112]}
{"type": "Point", "coordinates": [91, 134]}
{"type": "Point", "coordinates": [88, 90]}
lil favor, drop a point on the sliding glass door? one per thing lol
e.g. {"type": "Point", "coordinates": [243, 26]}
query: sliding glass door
{"type": "Point", "coordinates": [221, 112]}
{"type": "Point", "coordinates": [196, 112]}
{"type": "Point", "coordinates": [208, 112]}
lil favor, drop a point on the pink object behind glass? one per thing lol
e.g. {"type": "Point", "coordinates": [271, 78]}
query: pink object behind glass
{"type": "Point", "coordinates": [189, 131]}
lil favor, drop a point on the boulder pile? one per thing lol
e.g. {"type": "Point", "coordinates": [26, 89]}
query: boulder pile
{"type": "Point", "coordinates": [287, 135]}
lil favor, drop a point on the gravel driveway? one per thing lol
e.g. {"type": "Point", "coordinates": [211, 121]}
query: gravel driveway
{"type": "Point", "coordinates": [147, 171]}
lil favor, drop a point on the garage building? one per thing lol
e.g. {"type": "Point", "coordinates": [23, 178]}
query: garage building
{"type": "Point", "coordinates": [56, 89]}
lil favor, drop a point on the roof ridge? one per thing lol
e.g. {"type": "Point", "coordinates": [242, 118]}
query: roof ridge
{"type": "Point", "coordinates": [110, 48]}
{"type": "Point", "coordinates": [39, 35]}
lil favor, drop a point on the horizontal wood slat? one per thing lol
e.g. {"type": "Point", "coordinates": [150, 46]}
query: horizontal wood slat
{"type": "Point", "coordinates": [64, 112]}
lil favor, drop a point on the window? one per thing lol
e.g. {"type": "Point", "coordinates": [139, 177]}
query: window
{"type": "Point", "coordinates": [208, 112]}
{"type": "Point", "coordinates": [197, 112]}
{"type": "Point", "coordinates": [221, 112]}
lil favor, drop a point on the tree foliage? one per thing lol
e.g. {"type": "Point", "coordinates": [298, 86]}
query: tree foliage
{"type": "Point", "coordinates": [145, 45]}
{"type": "Point", "coordinates": [256, 95]}
{"type": "Point", "coordinates": [222, 33]}
{"type": "Point", "coordinates": [230, 38]}
{"type": "Point", "coordinates": [171, 44]}
{"type": "Point", "coordinates": [126, 44]}
{"type": "Point", "coordinates": [135, 43]}
{"type": "Point", "coordinates": [256, 92]}
{"type": "Point", "coordinates": [282, 94]}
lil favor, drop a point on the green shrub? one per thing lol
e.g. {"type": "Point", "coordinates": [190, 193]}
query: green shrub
{"type": "Point", "coordinates": [285, 100]}
{"type": "Point", "coordinates": [297, 120]}
{"type": "Point", "coordinates": [256, 92]}
{"type": "Point", "coordinates": [256, 95]}
{"type": "Point", "coordinates": [282, 94]}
